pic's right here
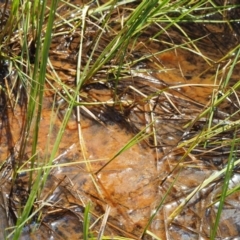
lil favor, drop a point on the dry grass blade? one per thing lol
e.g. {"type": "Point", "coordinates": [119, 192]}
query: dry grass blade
{"type": "Point", "coordinates": [204, 184]}
{"type": "Point", "coordinates": [104, 222]}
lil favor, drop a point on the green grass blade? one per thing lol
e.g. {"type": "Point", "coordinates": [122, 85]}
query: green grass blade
{"type": "Point", "coordinates": [35, 189]}
{"type": "Point", "coordinates": [86, 222]}
{"type": "Point", "coordinates": [137, 19]}
{"type": "Point", "coordinates": [228, 175]}
{"type": "Point", "coordinates": [136, 139]}
{"type": "Point", "coordinates": [159, 205]}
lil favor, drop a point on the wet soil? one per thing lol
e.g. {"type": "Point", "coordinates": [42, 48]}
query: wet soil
{"type": "Point", "coordinates": [135, 182]}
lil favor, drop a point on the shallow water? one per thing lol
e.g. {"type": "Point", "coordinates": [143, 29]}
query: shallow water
{"type": "Point", "coordinates": [135, 182]}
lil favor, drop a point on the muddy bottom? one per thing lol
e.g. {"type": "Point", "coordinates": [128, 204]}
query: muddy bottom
{"type": "Point", "coordinates": [134, 183]}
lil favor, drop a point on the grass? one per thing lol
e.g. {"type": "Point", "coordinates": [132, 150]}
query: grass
{"type": "Point", "coordinates": [120, 47]}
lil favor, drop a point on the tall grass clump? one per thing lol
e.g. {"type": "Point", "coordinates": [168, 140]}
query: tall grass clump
{"type": "Point", "coordinates": [114, 52]}
{"type": "Point", "coordinates": [30, 19]}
